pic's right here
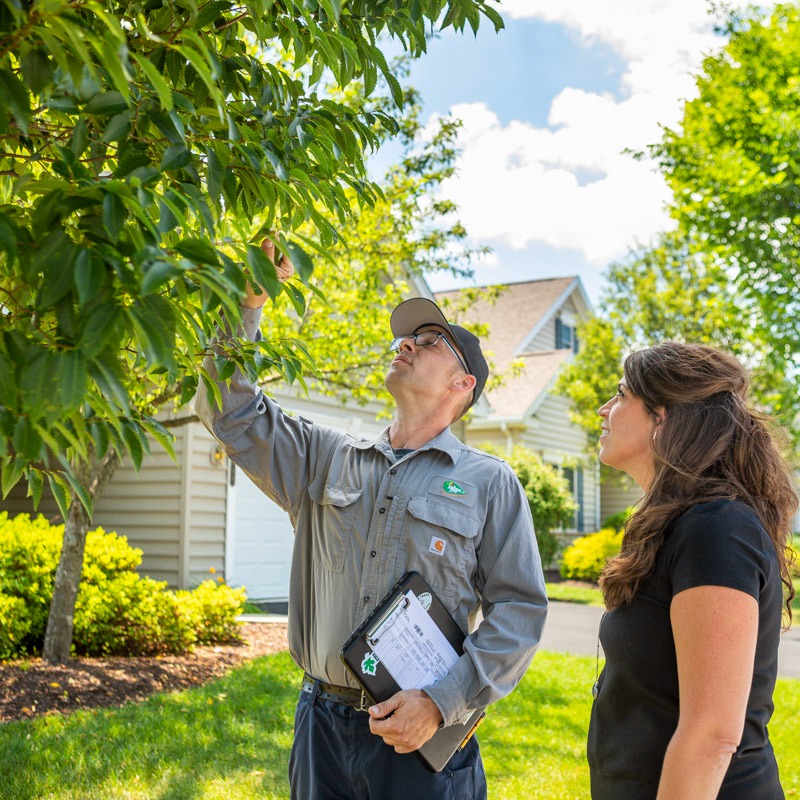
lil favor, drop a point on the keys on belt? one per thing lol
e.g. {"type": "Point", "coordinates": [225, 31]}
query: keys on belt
{"type": "Point", "coordinates": [357, 699]}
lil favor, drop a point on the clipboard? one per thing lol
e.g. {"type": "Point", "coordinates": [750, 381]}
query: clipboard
{"type": "Point", "coordinates": [399, 605]}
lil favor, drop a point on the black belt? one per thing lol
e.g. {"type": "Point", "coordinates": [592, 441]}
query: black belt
{"type": "Point", "coordinates": [356, 698]}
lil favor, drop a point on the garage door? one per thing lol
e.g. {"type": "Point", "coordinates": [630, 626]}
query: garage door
{"type": "Point", "coordinates": [262, 551]}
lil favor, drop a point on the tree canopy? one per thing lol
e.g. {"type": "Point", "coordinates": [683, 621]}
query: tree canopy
{"type": "Point", "coordinates": [146, 147]}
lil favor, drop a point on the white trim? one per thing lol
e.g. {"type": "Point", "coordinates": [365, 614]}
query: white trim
{"type": "Point", "coordinates": [230, 519]}
{"type": "Point", "coordinates": [184, 526]}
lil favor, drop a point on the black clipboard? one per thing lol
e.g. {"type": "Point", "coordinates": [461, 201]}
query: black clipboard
{"type": "Point", "coordinates": [380, 685]}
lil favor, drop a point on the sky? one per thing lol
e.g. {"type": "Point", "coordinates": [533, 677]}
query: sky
{"type": "Point", "coordinates": [549, 106]}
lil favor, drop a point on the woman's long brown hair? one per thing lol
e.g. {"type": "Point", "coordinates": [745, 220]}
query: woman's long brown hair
{"type": "Point", "coordinates": [710, 445]}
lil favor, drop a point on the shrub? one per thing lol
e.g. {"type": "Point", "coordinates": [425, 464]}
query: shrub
{"type": "Point", "coordinates": [585, 559]}
{"type": "Point", "coordinates": [117, 611]}
{"type": "Point", "coordinates": [617, 521]}
{"type": "Point", "coordinates": [29, 551]}
{"type": "Point", "coordinates": [548, 495]}
{"type": "Point", "coordinates": [212, 608]}
{"type": "Point", "coordinates": [15, 625]}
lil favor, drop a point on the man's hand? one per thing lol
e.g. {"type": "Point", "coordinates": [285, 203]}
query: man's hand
{"type": "Point", "coordinates": [414, 719]}
{"type": "Point", "coordinates": [255, 298]}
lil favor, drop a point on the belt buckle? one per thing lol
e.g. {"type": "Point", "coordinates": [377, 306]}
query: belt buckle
{"type": "Point", "coordinates": [363, 702]}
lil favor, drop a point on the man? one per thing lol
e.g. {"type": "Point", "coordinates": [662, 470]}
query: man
{"type": "Point", "coordinates": [366, 512]}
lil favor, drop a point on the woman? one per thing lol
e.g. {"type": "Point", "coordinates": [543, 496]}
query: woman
{"type": "Point", "coordinates": [695, 597]}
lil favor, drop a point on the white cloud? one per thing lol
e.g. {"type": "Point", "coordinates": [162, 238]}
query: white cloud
{"type": "Point", "coordinates": [569, 184]}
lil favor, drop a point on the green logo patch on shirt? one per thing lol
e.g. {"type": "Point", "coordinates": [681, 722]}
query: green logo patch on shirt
{"type": "Point", "coordinates": [451, 487]}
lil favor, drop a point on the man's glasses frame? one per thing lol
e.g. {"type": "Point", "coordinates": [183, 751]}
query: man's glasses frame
{"type": "Point", "coordinates": [428, 339]}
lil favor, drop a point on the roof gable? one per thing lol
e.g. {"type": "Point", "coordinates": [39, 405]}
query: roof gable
{"type": "Point", "coordinates": [515, 319]}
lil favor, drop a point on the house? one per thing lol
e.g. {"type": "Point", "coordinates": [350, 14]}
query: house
{"type": "Point", "coordinates": [199, 513]}
{"type": "Point", "coordinates": [533, 324]}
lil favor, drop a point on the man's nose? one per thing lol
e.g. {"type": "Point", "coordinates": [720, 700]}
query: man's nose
{"type": "Point", "coordinates": [408, 344]}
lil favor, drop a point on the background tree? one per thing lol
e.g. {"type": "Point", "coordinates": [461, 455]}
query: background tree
{"type": "Point", "coordinates": [145, 148]}
{"type": "Point", "coordinates": [669, 291]}
{"type": "Point", "coordinates": [734, 169]}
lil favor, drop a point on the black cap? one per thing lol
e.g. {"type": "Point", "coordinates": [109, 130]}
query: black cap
{"type": "Point", "coordinates": [412, 314]}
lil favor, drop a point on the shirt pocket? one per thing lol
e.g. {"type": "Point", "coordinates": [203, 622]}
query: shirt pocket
{"type": "Point", "coordinates": [438, 543]}
{"type": "Point", "coordinates": [334, 517]}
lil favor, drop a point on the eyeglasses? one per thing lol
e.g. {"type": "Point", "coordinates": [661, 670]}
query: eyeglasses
{"type": "Point", "coordinates": [428, 339]}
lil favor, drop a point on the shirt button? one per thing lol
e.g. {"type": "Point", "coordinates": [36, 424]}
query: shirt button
{"type": "Point", "coordinates": [373, 553]}
{"type": "Point", "coordinates": [393, 471]}
{"type": "Point", "coordinates": [381, 510]}
{"type": "Point", "coordinates": [365, 599]}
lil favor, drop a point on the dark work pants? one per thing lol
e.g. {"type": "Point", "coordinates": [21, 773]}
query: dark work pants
{"type": "Point", "coordinates": [335, 757]}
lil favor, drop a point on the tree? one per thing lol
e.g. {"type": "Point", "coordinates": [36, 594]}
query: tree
{"type": "Point", "coordinates": [146, 147]}
{"type": "Point", "coordinates": [669, 291]}
{"type": "Point", "coordinates": [734, 170]}
{"type": "Point", "coordinates": [547, 492]}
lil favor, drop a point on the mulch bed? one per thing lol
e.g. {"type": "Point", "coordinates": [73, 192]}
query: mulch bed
{"type": "Point", "coordinates": [32, 689]}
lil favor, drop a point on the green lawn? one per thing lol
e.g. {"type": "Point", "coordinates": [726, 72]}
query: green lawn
{"type": "Point", "coordinates": [585, 595]}
{"type": "Point", "coordinates": [231, 738]}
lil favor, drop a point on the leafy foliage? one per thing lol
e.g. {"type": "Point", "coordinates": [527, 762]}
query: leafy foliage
{"type": "Point", "coordinates": [587, 556]}
{"type": "Point", "coordinates": [146, 146]}
{"type": "Point", "coordinates": [547, 492]}
{"type": "Point", "coordinates": [734, 171]}
{"type": "Point", "coordinates": [118, 612]}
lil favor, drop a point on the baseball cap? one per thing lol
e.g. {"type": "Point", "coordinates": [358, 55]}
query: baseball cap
{"type": "Point", "coordinates": [412, 314]}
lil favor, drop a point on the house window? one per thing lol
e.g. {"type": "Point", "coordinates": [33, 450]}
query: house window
{"type": "Point", "coordinates": [566, 338]}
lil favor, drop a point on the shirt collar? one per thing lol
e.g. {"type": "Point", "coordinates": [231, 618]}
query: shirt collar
{"type": "Point", "coordinates": [445, 442]}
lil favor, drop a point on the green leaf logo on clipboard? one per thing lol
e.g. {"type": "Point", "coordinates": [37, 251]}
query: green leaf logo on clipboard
{"type": "Point", "coordinates": [369, 666]}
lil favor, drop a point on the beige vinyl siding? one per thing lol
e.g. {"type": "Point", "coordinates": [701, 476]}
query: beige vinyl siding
{"type": "Point", "coordinates": [205, 509]}
{"type": "Point", "coordinates": [545, 339]}
{"type": "Point", "coordinates": [616, 496]}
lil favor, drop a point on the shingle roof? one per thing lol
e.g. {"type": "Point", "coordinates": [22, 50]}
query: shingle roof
{"type": "Point", "coordinates": [511, 318]}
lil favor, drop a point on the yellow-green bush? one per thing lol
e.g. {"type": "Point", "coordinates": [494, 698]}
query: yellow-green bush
{"type": "Point", "coordinates": [586, 557]}
{"type": "Point", "coordinates": [117, 611]}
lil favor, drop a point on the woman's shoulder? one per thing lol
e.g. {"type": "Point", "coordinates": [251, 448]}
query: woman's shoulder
{"type": "Point", "coordinates": [723, 510]}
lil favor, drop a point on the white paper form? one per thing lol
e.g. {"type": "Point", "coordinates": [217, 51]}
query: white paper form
{"type": "Point", "coordinates": [411, 646]}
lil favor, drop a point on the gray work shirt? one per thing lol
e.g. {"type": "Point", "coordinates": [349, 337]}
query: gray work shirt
{"type": "Point", "coordinates": [363, 518]}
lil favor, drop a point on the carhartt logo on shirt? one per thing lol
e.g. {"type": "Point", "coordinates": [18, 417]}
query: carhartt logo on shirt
{"type": "Point", "coordinates": [437, 546]}
{"type": "Point", "coordinates": [451, 487]}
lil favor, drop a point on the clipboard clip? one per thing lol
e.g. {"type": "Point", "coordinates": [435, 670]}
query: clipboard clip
{"type": "Point", "coordinates": [374, 634]}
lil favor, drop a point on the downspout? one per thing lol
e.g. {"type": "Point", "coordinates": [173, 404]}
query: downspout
{"type": "Point", "coordinates": [509, 437]}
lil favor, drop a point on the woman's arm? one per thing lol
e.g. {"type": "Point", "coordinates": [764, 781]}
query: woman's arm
{"type": "Point", "coordinates": [715, 630]}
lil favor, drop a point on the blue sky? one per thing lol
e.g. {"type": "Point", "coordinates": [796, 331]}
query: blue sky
{"type": "Point", "coordinates": [548, 106]}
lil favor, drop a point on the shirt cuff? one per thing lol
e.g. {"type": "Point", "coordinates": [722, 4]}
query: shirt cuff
{"type": "Point", "coordinates": [449, 700]}
{"type": "Point", "coordinates": [251, 318]}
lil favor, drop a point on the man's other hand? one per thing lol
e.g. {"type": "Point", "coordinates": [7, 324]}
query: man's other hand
{"type": "Point", "coordinates": [255, 298]}
{"type": "Point", "coordinates": [406, 720]}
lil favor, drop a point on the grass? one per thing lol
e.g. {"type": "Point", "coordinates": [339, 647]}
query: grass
{"type": "Point", "coordinates": [231, 739]}
{"type": "Point", "coordinates": [569, 593]}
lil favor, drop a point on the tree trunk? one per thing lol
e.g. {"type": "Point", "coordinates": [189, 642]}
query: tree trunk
{"type": "Point", "coordinates": [58, 637]}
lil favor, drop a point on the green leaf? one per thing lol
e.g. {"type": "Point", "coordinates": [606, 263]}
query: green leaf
{"type": "Point", "coordinates": [98, 328]}
{"type": "Point", "coordinates": [80, 493]}
{"type": "Point", "coordinates": [60, 492]}
{"type": "Point", "coordinates": [114, 214]}
{"type": "Point", "coordinates": [99, 432]}
{"type": "Point", "coordinates": [297, 298]}
{"type": "Point", "coordinates": [108, 377]}
{"type": "Point", "coordinates": [105, 103]}
{"type": "Point", "coordinates": [8, 238]}
{"type": "Point", "coordinates": [198, 251]}
{"type": "Point", "coordinates": [37, 69]}
{"type": "Point", "coordinates": [119, 126]}
{"type": "Point", "coordinates": [215, 175]}
{"type": "Point", "coordinates": [89, 276]}
{"type": "Point", "coordinates": [35, 486]}
{"type": "Point", "coordinates": [155, 328]}
{"type": "Point", "coordinates": [14, 95]}
{"type": "Point", "coordinates": [12, 471]}
{"type": "Point", "coordinates": [70, 379]}
{"type": "Point", "coordinates": [27, 442]}
{"type": "Point", "coordinates": [175, 157]}
{"type": "Point", "coordinates": [158, 273]}
{"type": "Point", "coordinates": [55, 260]}
{"type": "Point", "coordinates": [133, 443]}
{"type": "Point", "coordinates": [156, 80]}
